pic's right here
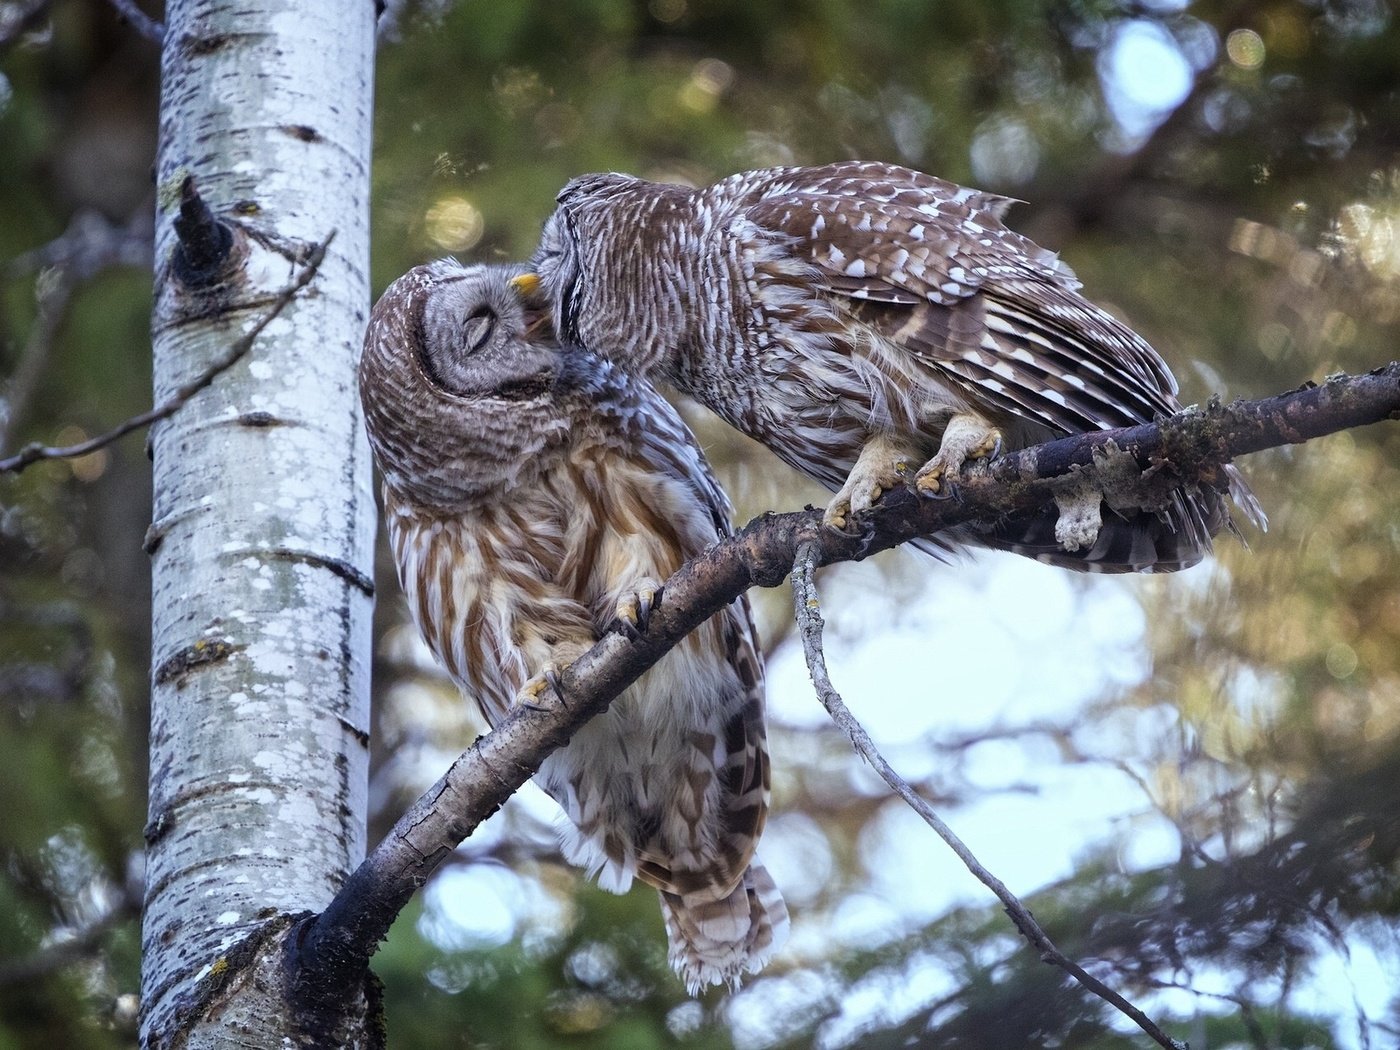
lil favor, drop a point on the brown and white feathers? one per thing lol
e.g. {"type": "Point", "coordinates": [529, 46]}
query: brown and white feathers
{"type": "Point", "coordinates": [530, 489]}
{"type": "Point", "coordinates": [844, 315]}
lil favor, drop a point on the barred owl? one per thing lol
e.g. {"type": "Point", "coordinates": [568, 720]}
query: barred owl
{"type": "Point", "coordinates": [866, 322]}
{"type": "Point", "coordinates": [534, 494]}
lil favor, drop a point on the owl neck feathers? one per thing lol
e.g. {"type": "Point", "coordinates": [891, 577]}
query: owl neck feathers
{"type": "Point", "coordinates": [446, 454]}
{"type": "Point", "coordinates": [641, 235]}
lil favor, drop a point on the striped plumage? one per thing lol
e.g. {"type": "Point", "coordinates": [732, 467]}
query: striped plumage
{"type": "Point", "coordinates": [530, 493]}
{"type": "Point", "coordinates": [843, 315]}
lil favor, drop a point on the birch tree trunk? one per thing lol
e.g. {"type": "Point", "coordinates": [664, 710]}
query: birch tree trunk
{"type": "Point", "coordinates": [263, 525]}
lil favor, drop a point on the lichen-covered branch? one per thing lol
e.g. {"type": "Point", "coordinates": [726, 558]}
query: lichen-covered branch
{"type": "Point", "coordinates": [1190, 446]}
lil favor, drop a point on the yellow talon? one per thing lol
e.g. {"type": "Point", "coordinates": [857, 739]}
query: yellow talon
{"type": "Point", "coordinates": [526, 284]}
{"type": "Point", "coordinates": [634, 606]}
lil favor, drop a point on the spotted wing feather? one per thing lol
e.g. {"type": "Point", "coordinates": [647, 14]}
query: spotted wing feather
{"type": "Point", "coordinates": [820, 309]}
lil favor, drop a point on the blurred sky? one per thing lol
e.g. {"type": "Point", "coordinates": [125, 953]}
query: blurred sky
{"type": "Point", "coordinates": [985, 644]}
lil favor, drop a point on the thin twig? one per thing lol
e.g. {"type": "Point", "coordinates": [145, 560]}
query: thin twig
{"type": "Point", "coordinates": [54, 289]}
{"type": "Point", "coordinates": [810, 624]}
{"type": "Point", "coordinates": [19, 20]}
{"type": "Point", "coordinates": [59, 954]}
{"type": "Point", "coordinates": [35, 452]}
{"type": "Point", "coordinates": [89, 245]}
{"type": "Point", "coordinates": [139, 20]}
{"type": "Point", "coordinates": [1248, 1017]}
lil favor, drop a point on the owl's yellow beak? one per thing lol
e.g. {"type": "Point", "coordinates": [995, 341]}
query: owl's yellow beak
{"type": "Point", "coordinates": [527, 284]}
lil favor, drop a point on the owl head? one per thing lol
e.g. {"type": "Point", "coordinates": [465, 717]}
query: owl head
{"type": "Point", "coordinates": [557, 273]}
{"type": "Point", "coordinates": [475, 330]}
{"type": "Point", "coordinates": [457, 379]}
{"type": "Point", "coordinates": [560, 263]}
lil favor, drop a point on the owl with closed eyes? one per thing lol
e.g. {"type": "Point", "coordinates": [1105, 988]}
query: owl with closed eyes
{"type": "Point", "coordinates": [535, 494]}
{"type": "Point", "coordinates": [871, 325]}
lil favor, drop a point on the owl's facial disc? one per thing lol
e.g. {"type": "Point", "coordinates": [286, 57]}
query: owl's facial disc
{"type": "Point", "coordinates": [479, 341]}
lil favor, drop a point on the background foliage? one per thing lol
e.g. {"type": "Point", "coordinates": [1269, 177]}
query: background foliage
{"type": "Point", "coordinates": [1224, 174]}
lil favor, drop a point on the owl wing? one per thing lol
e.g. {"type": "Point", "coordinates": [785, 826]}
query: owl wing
{"type": "Point", "coordinates": [930, 265]}
{"type": "Point", "coordinates": [722, 911]}
{"type": "Point", "coordinates": [690, 756]}
{"type": "Point", "coordinates": [734, 748]}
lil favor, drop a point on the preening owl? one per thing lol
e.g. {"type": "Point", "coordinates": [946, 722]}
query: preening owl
{"type": "Point", "coordinates": [866, 321]}
{"type": "Point", "coordinates": [533, 493]}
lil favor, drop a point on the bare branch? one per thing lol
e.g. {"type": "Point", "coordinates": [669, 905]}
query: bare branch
{"type": "Point", "coordinates": [1247, 1012]}
{"type": "Point", "coordinates": [139, 20]}
{"type": "Point", "coordinates": [19, 19]}
{"type": "Point", "coordinates": [807, 609]}
{"type": "Point", "coordinates": [89, 245]}
{"type": "Point", "coordinates": [53, 290]}
{"type": "Point", "coordinates": [79, 945]}
{"type": "Point", "coordinates": [33, 453]}
{"type": "Point", "coordinates": [335, 947]}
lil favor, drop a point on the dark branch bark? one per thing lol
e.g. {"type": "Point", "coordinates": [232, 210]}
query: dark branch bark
{"type": "Point", "coordinates": [335, 947]}
{"type": "Point", "coordinates": [202, 254]}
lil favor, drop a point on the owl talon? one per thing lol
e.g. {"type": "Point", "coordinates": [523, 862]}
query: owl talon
{"type": "Point", "coordinates": [634, 608]}
{"type": "Point", "coordinates": [531, 690]}
{"type": "Point", "coordinates": [838, 513]}
{"type": "Point", "coordinates": [966, 437]}
{"type": "Point", "coordinates": [882, 466]}
{"type": "Point", "coordinates": [937, 488]}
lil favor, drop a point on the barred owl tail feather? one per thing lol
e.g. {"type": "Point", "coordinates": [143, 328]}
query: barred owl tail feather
{"type": "Point", "coordinates": [717, 941]}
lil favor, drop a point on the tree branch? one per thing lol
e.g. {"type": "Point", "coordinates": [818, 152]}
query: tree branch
{"type": "Point", "coordinates": [334, 948]}
{"type": "Point", "coordinates": [143, 23]}
{"type": "Point", "coordinates": [20, 18]}
{"type": "Point", "coordinates": [807, 610]}
{"type": "Point", "coordinates": [80, 943]}
{"type": "Point", "coordinates": [89, 245]}
{"type": "Point", "coordinates": [52, 292]}
{"type": "Point", "coordinates": [33, 453]}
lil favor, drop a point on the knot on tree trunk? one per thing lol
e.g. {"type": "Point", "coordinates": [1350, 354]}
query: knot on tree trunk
{"type": "Point", "coordinates": [204, 256]}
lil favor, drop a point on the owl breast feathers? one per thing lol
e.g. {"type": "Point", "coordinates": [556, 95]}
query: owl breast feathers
{"type": "Point", "coordinates": [871, 325]}
{"type": "Point", "coordinates": [533, 492]}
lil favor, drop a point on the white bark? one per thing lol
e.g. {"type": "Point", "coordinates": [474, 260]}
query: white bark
{"type": "Point", "coordinates": [264, 517]}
